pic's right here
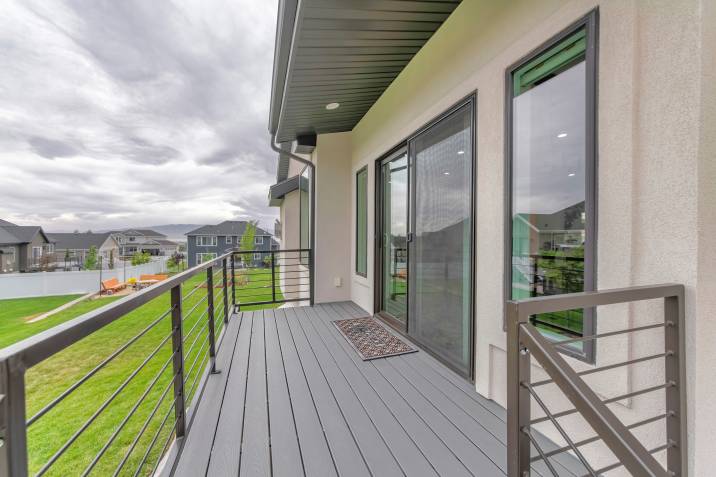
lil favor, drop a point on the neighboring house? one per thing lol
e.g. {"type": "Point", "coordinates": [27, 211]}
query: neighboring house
{"type": "Point", "coordinates": [23, 248]}
{"type": "Point", "coordinates": [210, 241]}
{"type": "Point", "coordinates": [143, 240]}
{"type": "Point", "coordinates": [71, 249]}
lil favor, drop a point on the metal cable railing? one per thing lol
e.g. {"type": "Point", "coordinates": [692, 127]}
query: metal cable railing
{"type": "Point", "coordinates": [527, 348]}
{"type": "Point", "coordinates": [134, 410]}
{"type": "Point", "coordinates": [126, 434]}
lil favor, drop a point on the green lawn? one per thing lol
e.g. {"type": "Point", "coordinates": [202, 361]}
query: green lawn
{"type": "Point", "coordinates": [14, 314]}
{"type": "Point", "coordinates": [49, 379]}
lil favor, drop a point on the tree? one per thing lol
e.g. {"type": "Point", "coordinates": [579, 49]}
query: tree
{"type": "Point", "coordinates": [140, 258]}
{"type": "Point", "coordinates": [91, 259]}
{"type": "Point", "coordinates": [247, 242]}
{"type": "Point", "coordinates": [111, 259]}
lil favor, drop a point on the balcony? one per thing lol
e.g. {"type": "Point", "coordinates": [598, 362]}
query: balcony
{"type": "Point", "coordinates": [233, 388]}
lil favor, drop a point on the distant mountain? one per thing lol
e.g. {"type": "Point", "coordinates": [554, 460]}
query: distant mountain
{"type": "Point", "coordinates": [174, 231]}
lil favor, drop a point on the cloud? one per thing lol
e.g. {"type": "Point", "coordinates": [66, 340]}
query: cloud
{"type": "Point", "coordinates": [155, 111]}
{"type": "Point", "coordinates": [50, 148]}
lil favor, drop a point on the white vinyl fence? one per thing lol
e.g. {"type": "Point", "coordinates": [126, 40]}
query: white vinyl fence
{"type": "Point", "coordinates": [22, 285]}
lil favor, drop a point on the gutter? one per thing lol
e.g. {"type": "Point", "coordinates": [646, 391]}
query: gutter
{"type": "Point", "coordinates": [312, 240]}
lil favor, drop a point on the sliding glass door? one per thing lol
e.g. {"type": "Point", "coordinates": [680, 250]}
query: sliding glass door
{"type": "Point", "coordinates": [440, 279]}
{"type": "Point", "coordinates": [393, 246]}
{"type": "Point", "coordinates": [425, 240]}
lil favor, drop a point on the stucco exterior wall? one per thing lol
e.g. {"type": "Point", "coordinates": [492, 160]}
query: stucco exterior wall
{"type": "Point", "coordinates": [333, 185]}
{"type": "Point", "coordinates": [655, 173]}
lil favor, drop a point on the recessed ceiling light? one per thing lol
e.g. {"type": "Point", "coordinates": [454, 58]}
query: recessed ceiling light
{"type": "Point", "coordinates": [461, 152]}
{"type": "Point", "coordinates": [571, 174]}
{"type": "Point", "coordinates": [331, 106]}
{"type": "Point", "coordinates": [561, 135]}
{"type": "Point", "coordinates": [446, 173]}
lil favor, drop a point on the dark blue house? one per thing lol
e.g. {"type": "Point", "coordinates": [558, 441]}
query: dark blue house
{"type": "Point", "coordinates": [210, 241]}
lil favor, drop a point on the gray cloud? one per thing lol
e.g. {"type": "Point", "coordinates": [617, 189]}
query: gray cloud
{"type": "Point", "coordinates": [50, 148]}
{"type": "Point", "coordinates": [157, 109]}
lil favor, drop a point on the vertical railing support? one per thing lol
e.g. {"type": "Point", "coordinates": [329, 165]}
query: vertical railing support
{"type": "Point", "coordinates": [178, 362]}
{"type": "Point", "coordinates": [210, 312]}
{"type": "Point", "coordinates": [675, 372]}
{"type": "Point", "coordinates": [273, 275]}
{"type": "Point", "coordinates": [224, 264]}
{"type": "Point", "coordinates": [518, 397]}
{"type": "Point", "coordinates": [310, 276]}
{"type": "Point", "coordinates": [13, 431]}
{"type": "Point", "coordinates": [233, 281]}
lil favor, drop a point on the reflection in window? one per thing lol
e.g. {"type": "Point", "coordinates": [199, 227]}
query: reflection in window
{"type": "Point", "coordinates": [549, 181]}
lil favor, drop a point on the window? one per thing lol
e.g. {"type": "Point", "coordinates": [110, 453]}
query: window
{"type": "Point", "coordinates": [257, 257]}
{"type": "Point", "coordinates": [7, 259]}
{"type": "Point", "coordinates": [552, 199]}
{"type": "Point", "coordinates": [206, 240]}
{"type": "Point", "coordinates": [229, 239]}
{"type": "Point", "coordinates": [362, 222]}
{"type": "Point", "coordinates": [304, 186]}
{"type": "Point", "coordinates": [132, 239]}
{"type": "Point", "coordinates": [259, 240]}
{"type": "Point", "coordinates": [36, 252]}
{"type": "Point", "coordinates": [204, 257]}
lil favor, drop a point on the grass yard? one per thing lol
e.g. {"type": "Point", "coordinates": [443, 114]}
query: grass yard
{"type": "Point", "coordinates": [111, 440]}
{"type": "Point", "coordinates": [14, 314]}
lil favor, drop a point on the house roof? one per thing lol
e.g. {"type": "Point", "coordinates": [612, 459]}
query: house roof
{"type": "Point", "coordinates": [347, 52]}
{"type": "Point", "coordinates": [139, 233]}
{"type": "Point", "coordinates": [228, 227]}
{"type": "Point", "coordinates": [19, 234]}
{"type": "Point", "coordinates": [278, 191]}
{"type": "Point", "coordinates": [5, 223]}
{"type": "Point", "coordinates": [166, 242]}
{"type": "Point", "coordinates": [79, 240]}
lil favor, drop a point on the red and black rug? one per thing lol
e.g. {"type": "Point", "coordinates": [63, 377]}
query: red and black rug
{"type": "Point", "coordinates": [370, 339]}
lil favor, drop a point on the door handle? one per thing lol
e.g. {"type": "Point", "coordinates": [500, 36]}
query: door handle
{"type": "Point", "coordinates": [409, 238]}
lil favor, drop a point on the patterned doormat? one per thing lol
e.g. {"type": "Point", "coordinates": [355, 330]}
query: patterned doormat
{"type": "Point", "coordinates": [370, 339]}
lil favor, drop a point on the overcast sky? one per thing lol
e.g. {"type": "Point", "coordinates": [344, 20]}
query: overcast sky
{"type": "Point", "coordinates": [121, 113]}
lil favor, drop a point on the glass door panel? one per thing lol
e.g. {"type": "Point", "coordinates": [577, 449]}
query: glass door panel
{"type": "Point", "coordinates": [440, 280]}
{"type": "Point", "coordinates": [394, 266]}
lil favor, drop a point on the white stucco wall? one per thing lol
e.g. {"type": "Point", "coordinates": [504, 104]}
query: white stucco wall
{"type": "Point", "coordinates": [333, 185]}
{"type": "Point", "coordinates": [656, 183]}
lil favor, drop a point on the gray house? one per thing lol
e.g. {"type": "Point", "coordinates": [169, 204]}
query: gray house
{"type": "Point", "coordinates": [71, 249]}
{"type": "Point", "coordinates": [210, 241]}
{"type": "Point", "coordinates": [22, 247]}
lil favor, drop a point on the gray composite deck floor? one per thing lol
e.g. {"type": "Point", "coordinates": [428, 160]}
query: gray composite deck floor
{"type": "Point", "coordinates": [293, 398]}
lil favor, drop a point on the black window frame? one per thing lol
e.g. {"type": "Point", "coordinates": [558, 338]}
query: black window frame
{"type": "Point", "coordinates": [362, 170]}
{"type": "Point", "coordinates": [590, 23]}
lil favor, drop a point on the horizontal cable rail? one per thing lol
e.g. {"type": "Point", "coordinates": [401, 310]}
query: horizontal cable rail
{"type": "Point", "coordinates": [152, 375]}
{"type": "Point", "coordinates": [528, 348]}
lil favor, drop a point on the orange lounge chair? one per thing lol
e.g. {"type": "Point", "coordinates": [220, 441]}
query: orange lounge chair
{"type": "Point", "coordinates": [159, 278]}
{"type": "Point", "coordinates": [112, 285]}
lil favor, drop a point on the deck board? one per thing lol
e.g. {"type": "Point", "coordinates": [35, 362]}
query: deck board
{"type": "Point", "coordinates": [294, 399]}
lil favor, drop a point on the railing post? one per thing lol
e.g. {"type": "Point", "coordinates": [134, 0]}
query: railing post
{"type": "Point", "coordinates": [13, 431]}
{"type": "Point", "coordinates": [518, 397]}
{"type": "Point", "coordinates": [233, 281]}
{"type": "Point", "coordinates": [310, 276]}
{"type": "Point", "coordinates": [178, 362]}
{"type": "Point", "coordinates": [210, 312]}
{"type": "Point", "coordinates": [676, 436]}
{"type": "Point", "coordinates": [273, 276]}
{"type": "Point", "coordinates": [226, 291]}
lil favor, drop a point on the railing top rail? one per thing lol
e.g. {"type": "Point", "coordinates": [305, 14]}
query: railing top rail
{"type": "Point", "coordinates": [41, 346]}
{"type": "Point", "coordinates": [554, 303]}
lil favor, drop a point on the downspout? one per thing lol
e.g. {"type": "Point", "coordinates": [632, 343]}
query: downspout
{"type": "Point", "coordinates": [312, 226]}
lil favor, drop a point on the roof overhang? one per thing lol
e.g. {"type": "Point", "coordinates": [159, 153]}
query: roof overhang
{"type": "Point", "coordinates": [278, 191]}
{"type": "Point", "coordinates": [346, 52]}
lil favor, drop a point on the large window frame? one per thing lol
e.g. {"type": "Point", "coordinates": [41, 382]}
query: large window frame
{"type": "Point", "coordinates": [361, 263]}
{"type": "Point", "coordinates": [589, 23]}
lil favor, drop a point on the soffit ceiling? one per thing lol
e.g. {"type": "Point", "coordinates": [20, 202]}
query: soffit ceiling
{"type": "Point", "coordinates": [343, 51]}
